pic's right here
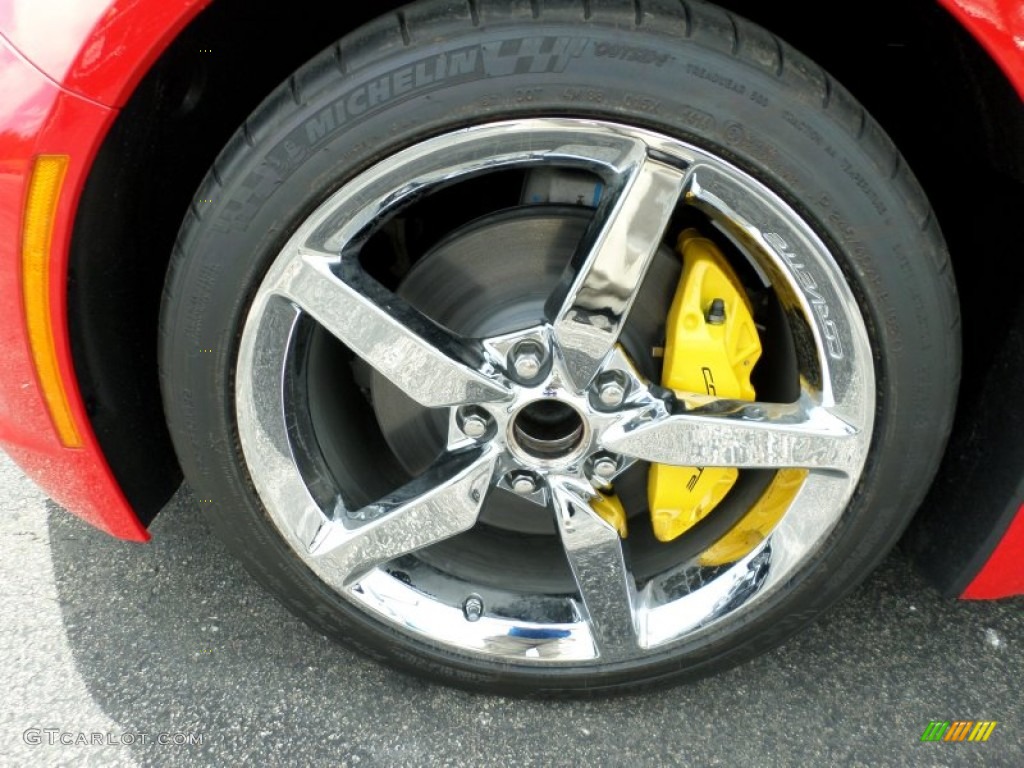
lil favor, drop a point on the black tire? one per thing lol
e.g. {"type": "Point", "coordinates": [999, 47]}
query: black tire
{"type": "Point", "coordinates": [688, 70]}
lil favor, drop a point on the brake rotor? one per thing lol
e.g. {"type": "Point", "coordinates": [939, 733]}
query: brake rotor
{"type": "Point", "coordinates": [493, 277]}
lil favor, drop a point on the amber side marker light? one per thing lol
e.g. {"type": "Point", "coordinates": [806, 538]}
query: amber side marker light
{"type": "Point", "coordinates": [40, 209]}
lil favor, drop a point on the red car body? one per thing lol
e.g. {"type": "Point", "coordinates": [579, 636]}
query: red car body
{"type": "Point", "coordinates": [65, 73]}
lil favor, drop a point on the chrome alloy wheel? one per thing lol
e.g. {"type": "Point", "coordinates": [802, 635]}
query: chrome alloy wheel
{"type": "Point", "coordinates": [554, 411]}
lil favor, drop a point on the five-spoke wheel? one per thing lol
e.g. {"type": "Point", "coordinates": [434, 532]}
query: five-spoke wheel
{"type": "Point", "coordinates": [559, 347]}
{"type": "Point", "coordinates": [529, 410]}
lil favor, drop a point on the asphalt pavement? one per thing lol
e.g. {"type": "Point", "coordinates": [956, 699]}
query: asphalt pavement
{"type": "Point", "coordinates": [113, 648]}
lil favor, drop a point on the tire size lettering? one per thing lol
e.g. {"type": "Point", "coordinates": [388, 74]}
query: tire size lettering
{"type": "Point", "coordinates": [591, 95]}
{"type": "Point", "coordinates": [518, 96]}
{"type": "Point", "coordinates": [641, 103]}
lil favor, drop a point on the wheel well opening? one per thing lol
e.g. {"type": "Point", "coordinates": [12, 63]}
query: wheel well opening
{"type": "Point", "coordinates": [143, 181]}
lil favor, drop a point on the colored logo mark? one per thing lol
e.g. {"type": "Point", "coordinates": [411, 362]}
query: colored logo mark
{"type": "Point", "coordinates": [958, 730]}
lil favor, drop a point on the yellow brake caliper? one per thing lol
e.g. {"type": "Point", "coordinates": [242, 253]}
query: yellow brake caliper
{"type": "Point", "coordinates": [711, 348]}
{"type": "Point", "coordinates": [608, 506]}
{"type": "Point", "coordinates": [758, 522]}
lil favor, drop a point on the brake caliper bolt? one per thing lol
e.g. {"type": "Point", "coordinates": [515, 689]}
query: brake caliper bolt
{"type": "Point", "coordinates": [716, 314]}
{"type": "Point", "coordinates": [524, 485]}
{"type": "Point", "coordinates": [473, 608]}
{"type": "Point", "coordinates": [605, 468]}
{"type": "Point", "coordinates": [527, 360]}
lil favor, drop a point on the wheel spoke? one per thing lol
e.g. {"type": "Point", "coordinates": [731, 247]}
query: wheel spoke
{"type": "Point", "coordinates": [427, 363]}
{"type": "Point", "coordinates": [590, 311]}
{"type": "Point", "coordinates": [439, 504]}
{"type": "Point", "coordinates": [743, 435]}
{"type": "Point", "coordinates": [595, 554]}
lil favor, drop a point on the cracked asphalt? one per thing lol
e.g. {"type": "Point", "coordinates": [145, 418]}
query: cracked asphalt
{"type": "Point", "coordinates": [130, 642]}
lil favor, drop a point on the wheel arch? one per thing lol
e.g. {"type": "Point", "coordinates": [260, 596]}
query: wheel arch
{"type": "Point", "coordinates": [190, 102]}
{"type": "Point", "coordinates": [143, 180]}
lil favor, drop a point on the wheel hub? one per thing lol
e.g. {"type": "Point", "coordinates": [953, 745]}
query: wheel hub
{"type": "Point", "coordinates": [547, 430]}
{"type": "Point", "coordinates": [524, 252]}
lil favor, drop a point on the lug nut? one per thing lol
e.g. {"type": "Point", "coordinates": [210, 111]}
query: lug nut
{"type": "Point", "coordinates": [527, 360]}
{"type": "Point", "coordinates": [527, 366]}
{"type": "Point", "coordinates": [612, 394]}
{"type": "Point", "coordinates": [611, 389]}
{"type": "Point", "coordinates": [524, 485]}
{"type": "Point", "coordinates": [474, 422]}
{"type": "Point", "coordinates": [605, 468]}
{"type": "Point", "coordinates": [474, 427]}
{"type": "Point", "coordinates": [473, 608]}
